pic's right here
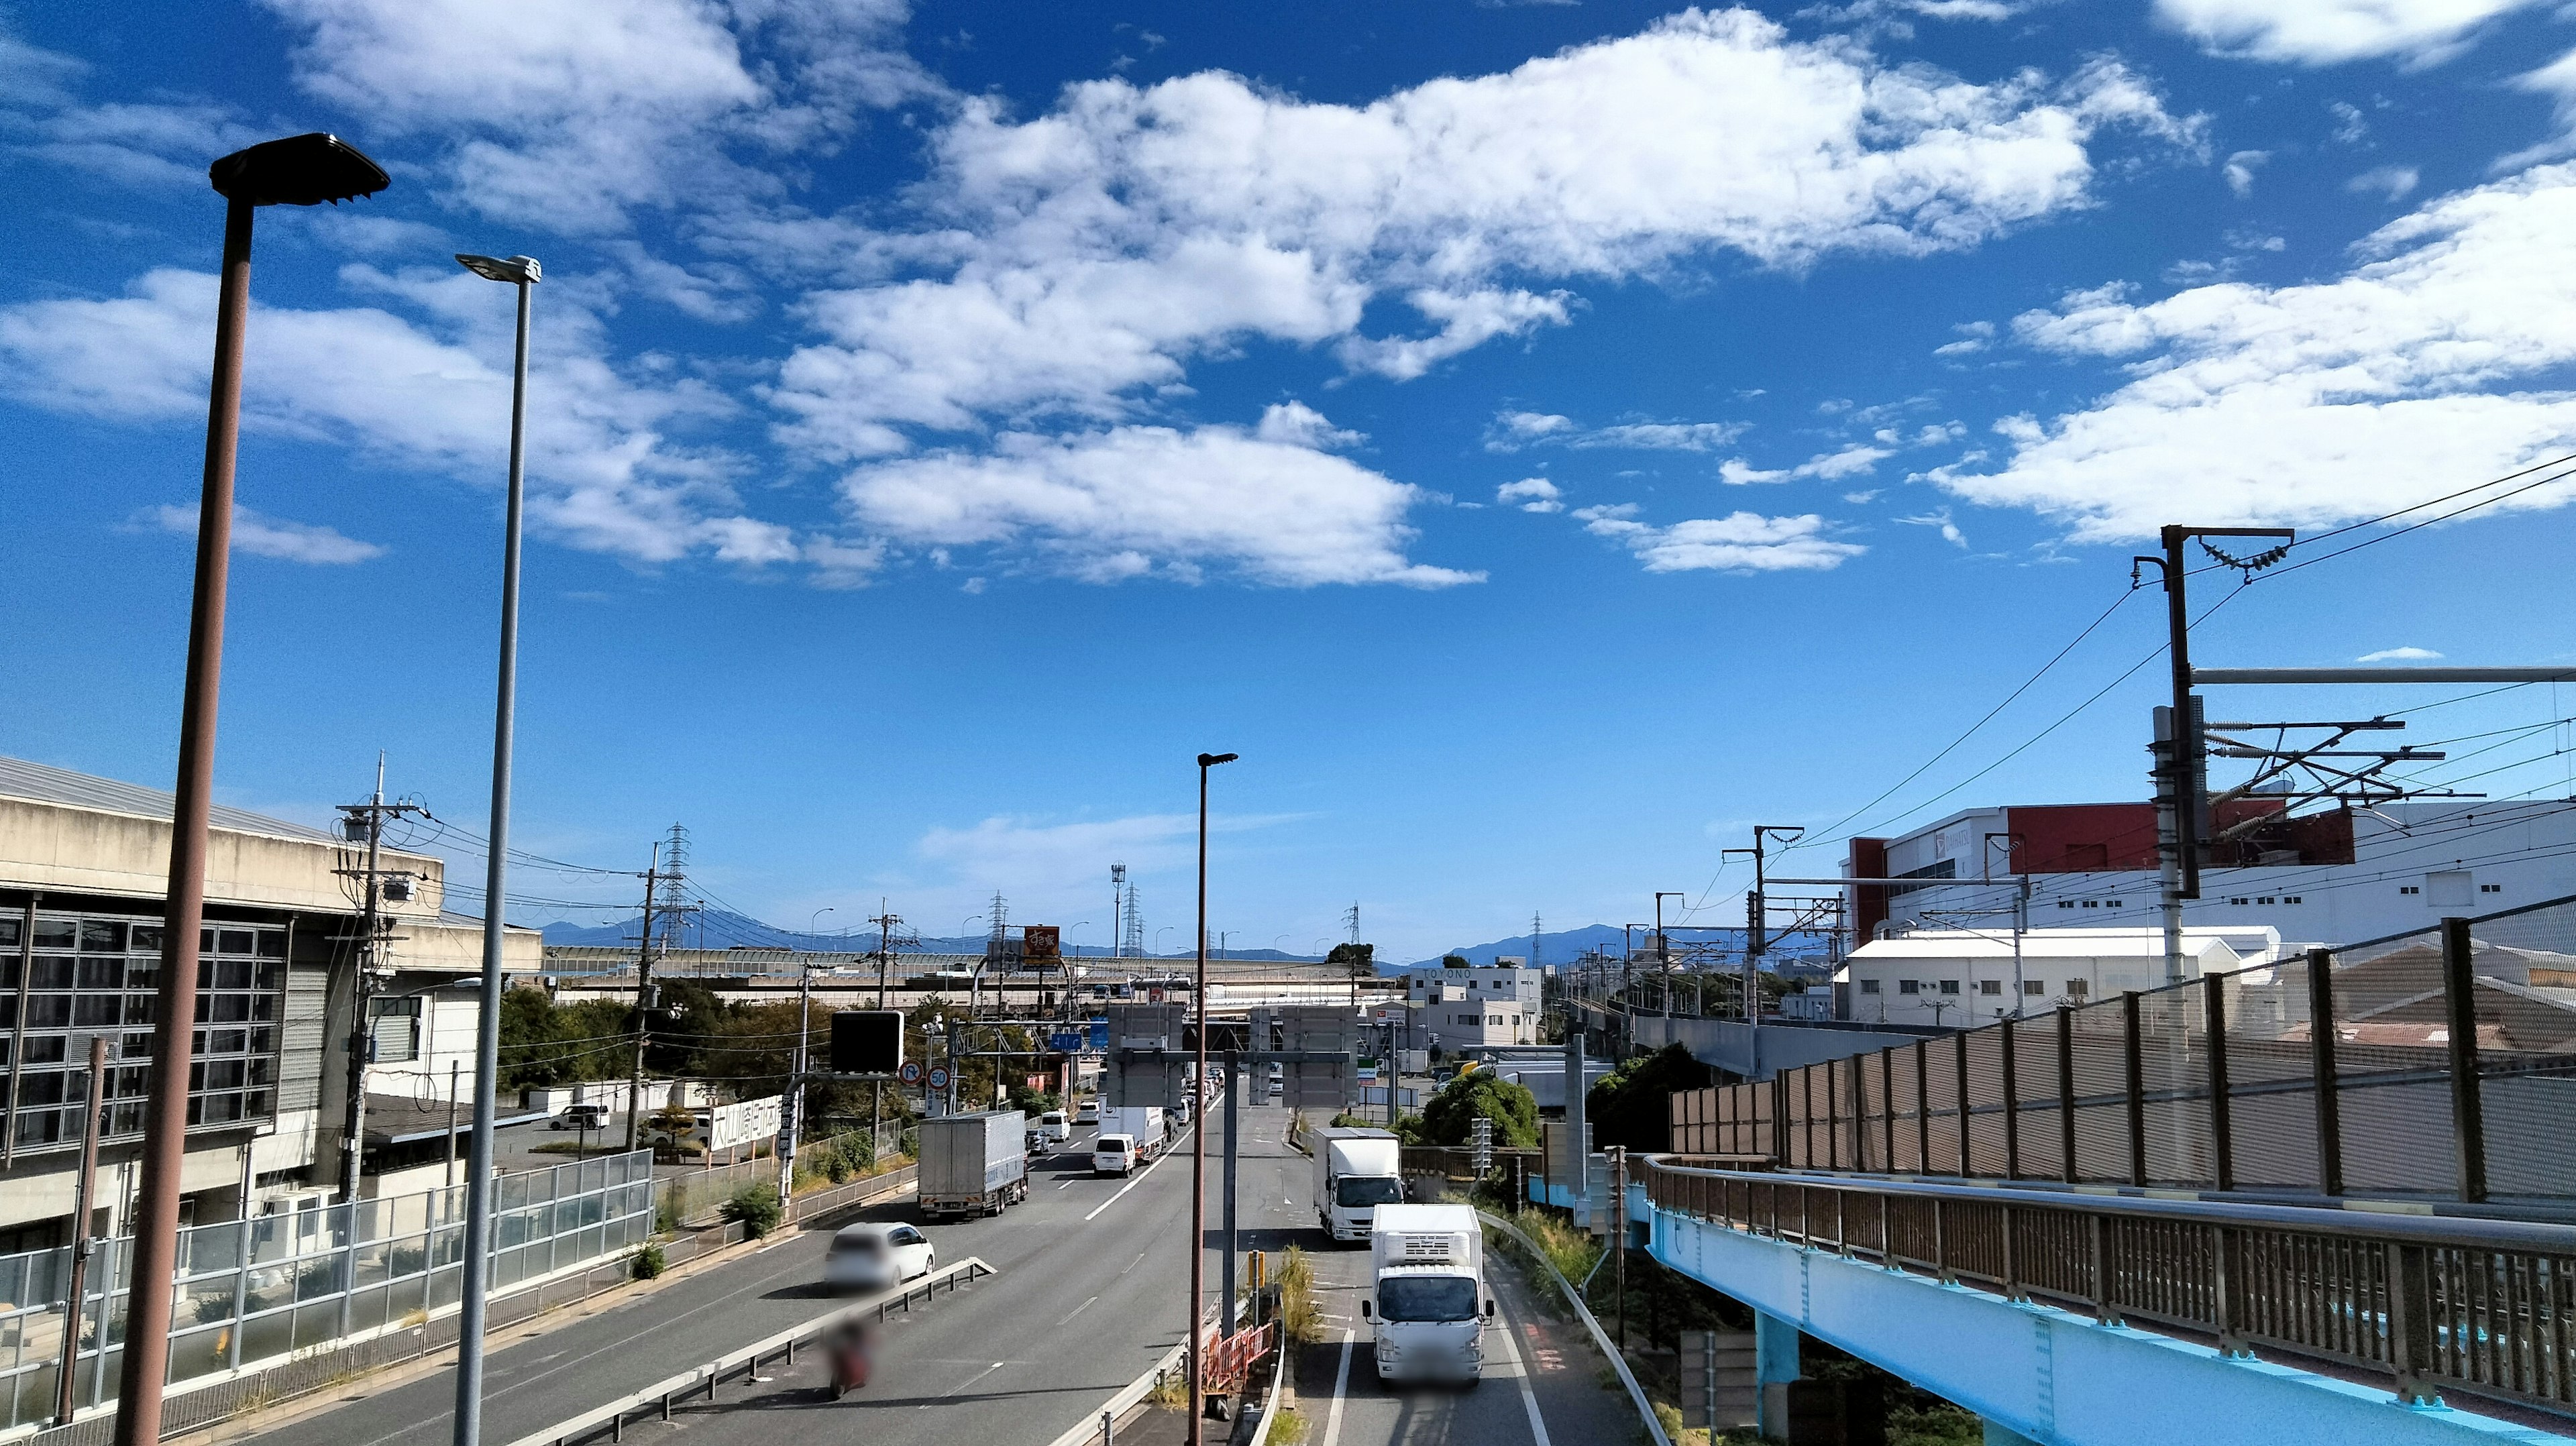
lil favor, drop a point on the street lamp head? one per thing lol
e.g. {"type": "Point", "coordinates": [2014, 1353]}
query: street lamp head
{"type": "Point", "coordinates": [517, 270]}
{"type": "Point", "coordinates": [1211, 760]}
{"type": "Point", "coordinates": [297, 171]}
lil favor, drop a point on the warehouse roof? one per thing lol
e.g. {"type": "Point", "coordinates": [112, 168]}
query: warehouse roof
{"type": "Point", "coordinates": [40, 783]}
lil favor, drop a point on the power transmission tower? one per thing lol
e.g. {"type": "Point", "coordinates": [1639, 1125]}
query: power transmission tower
{"type": "Point", "coordinates": [664, 883]}
{"type": "Point", "coordinates": [1533, 958]}
{"type": "Point", "coordinates": [365, 823]}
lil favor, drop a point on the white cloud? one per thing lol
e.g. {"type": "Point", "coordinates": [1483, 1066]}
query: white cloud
{"type": "Point", "coordinates": [602, 475]}
{"type": "Point", "coordinates": [1974, 337]}
{"type": "Point", "coordinates": [1940, 519]}
{"type": "Point", "coordinates": [1850, 460]}
{"type": "Point", "coordinates": [1080, 261]}
{"type": "Point", "coordinates": [1127, 501]}
{"type": "Point", "coordinates": [2351, 126]}
{"type": "Point", "coordinates": [1534, 494]}
{"type": "Point", "coordinates": [1512, 431]}
{"type": "Point", "coordinates": [2239, 170]}
{"type": "Point", "coordinates": [2331, 32]}
{"type": "Point", "coordinates": [2436, 361]}
{"type": "Point", "coordinates": [261, 535]}
{"type": "Point", "coordinates": [1741, 542]}
{"type": "Point", "coordinates": [566, 117]}
{"type": "Point", "coordinates": [2392, 183]}
{"type": "Point", "coordinates": [2399, 655]}
{"type": "Point", "coordinates": [2557, 80]}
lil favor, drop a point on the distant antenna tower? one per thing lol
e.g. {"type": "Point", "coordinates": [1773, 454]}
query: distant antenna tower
{"type": "Point", "coordinates": [1001, 917]}
{"type": "Point", "coordinates": [1351, 920]}
{"type": "Point", "coordinates": [673, 908]}
{"type": "Point", "coordinates": [1117, 910]}
{"type": "Point", "coordinates": [1533, 958]}
{"type": "Point", "coordinates": [1134, 928]}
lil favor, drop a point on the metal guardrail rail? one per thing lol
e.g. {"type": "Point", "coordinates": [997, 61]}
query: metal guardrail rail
{"type": "Point", "coordinates": [1600, 1338]}
{"type": "Point", "coordinates": [663, 1396]}
{"type": "Point", "coordinates": [2439, 1303]}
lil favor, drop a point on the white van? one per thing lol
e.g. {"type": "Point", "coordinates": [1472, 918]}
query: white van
{"type": "Point", "coordinates": [1113, 1155]}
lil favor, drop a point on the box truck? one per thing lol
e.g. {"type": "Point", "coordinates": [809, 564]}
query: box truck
{"type": "Point", "coordinates": [973, 1164]}
{"type": "Point", "coordinates": [1142, 1125]}
{"type": "Point", "coordinates": [1427, 1299]}
{"type": "Point", "coordinates": [1355, 1172]}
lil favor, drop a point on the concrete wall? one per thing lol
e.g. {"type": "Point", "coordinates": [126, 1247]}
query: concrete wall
{"type": "Point", "coordinates": [60, 849]}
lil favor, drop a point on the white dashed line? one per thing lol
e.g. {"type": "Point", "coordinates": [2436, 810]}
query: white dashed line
{"type": "Point", "coordinates": [1341, 1386]}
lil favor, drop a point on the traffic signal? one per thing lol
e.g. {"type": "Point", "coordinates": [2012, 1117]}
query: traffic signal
{"type": "Point", "coordinates": [867, 1041]}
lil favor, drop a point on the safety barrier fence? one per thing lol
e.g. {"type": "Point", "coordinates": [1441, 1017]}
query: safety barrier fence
{"type": "Point", "coordinates": [2440, 1304]}
{"type": "Point", "coordinates": [2437, 1067]}
{"type": "Point", "coordinates": [275, 1286]}
{"type": "Point", "coordinates": [661, 1399]}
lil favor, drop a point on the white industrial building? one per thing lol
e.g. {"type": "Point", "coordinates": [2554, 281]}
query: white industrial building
{"type": "Point", "coordinates": [2332, 878]}
{"type": "Point", "coordinates": [1480, 1007]}
{"type": "Point", "coordinates": [1964, 977]}
{"type": "Point", "coordinates": [84, 867]}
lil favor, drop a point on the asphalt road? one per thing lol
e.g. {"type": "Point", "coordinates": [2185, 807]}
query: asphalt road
{"type": "Point", "coordinates": [1090, 1294]}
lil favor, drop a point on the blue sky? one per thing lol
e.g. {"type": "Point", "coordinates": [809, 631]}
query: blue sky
{"type": "Point", "coordinates": [1543, 440]}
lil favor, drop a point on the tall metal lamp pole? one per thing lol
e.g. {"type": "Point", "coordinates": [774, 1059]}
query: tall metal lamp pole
{"type": "Point", "coordinates": [524, 273]}
{"type": "Point", "coordinates": [301, 170]}
{"type": "Point", "coordinates": [1198, 1140]}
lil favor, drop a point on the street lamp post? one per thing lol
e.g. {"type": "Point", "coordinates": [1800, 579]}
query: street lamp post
{"type": "Point", "coordinates": [793, 1127]}
{"type": "Point", "coordinates": [1198, 1140]}
{"type": "Point", "coordinates": [297, 171]}
{"type": "Point", "coordinates": [523, 273]}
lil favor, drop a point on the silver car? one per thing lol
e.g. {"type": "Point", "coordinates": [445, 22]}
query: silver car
{"type": "Point", "coordinates": [876, 1255]}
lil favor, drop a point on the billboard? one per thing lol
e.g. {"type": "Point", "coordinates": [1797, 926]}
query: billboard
{"type": "Point", "coordinates": [746, 1122]}
{"type": "Point", "coordinates": [867, 1041]}
{"type": "Point", "coordinates": [1041, 941]}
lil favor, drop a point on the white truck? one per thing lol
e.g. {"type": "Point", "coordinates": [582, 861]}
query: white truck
{"type": "Point", "coordinates": [1140, 1123]}
{"type": "Point", "coordinates": [973, 1164]}
{"type": "Point", "coordinates": [1355, 1173]}
{"type": "Point", "coordinates": [1427, 1296]}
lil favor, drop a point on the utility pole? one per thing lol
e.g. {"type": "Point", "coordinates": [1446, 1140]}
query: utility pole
{"type": "Point", "coordinates": [1664, 959]}
{"type": "Point", "coordinates": [2179, 792]}
{"type": "Point", "coordinates": [66, 1377]}
{"type": "Point", "coordinates": [885, 922]}
{"type": "Point", "coordinates": [1757, 939]}
{"type": "Point", "coordinates": [365, 820]}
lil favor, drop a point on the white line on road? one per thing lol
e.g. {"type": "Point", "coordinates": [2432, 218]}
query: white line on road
{"type": "Point", "coordinates": [961, 1385]}
{"type": "Point", "coordinates": [1521, 1378]}
{"type": "Point", "coordinates": [1139, 1180]}
{"type": "Point", "coordinates": [1341, 1386]}
{"type": "Point", "coordinates": [1077, 1310]}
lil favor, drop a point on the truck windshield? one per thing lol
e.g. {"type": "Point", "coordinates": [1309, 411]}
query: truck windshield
{"type": "Point", "coordinates": [1356, 1192]}
{"type": "Point", "coordinates": [1426, 1298]}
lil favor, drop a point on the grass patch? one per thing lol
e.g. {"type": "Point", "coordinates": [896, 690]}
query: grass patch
{"type": "Point", "coordinates": [1288, 1428]}
{"type": "Point", "coordinates": [1571, 1251]}
{"type": "Point", "coordinates": [1172, 1390]}
{"type": "Point", "coordinates": [1299, 1315]}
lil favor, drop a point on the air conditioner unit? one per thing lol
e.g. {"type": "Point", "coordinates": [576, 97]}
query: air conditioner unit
{"type": "Point", "coordinates": [398, 890]}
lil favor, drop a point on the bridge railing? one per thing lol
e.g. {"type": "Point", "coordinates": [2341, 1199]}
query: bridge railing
{"type": "Point", "coordinates": [2436, 1066]}
{"type": "Point", "coordinates": [2439, 1303]}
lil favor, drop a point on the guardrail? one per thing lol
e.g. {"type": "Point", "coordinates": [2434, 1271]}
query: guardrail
{"type": "Point", "coordinates": [1600, 1337]}
{"type": "Point", "coordinates": [664, 1395]}
{"type": "Point", "coordinates": [2439, 1303]}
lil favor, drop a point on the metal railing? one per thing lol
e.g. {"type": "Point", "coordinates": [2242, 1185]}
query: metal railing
{"type": "Point", "coordinates": [2439, 1067]}
{"type": "Point", "coordinates": [274, 1286]}
{"type": "Point", "coordinates": [663, 1398]}
{"type": "Point", "coordinates": [2438, 1303]}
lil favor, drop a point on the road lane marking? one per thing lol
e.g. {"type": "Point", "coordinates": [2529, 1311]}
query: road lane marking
{"type": "Point", "coordinates": [1521, 1378]}
{"type": "Point", "coordinates": [1131, 1265]}
{"type": "Point", "coordinates": [1341, 1386]}
{"type": "Point", "coordinates": [961, 1385]}
{"type": "Point", "coordinates": [1139, 1180]}
{"type": "Point", "coordinates": [1077, 1310]}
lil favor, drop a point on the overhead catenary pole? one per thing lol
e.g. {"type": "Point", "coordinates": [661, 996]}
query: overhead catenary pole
{"type": "Point", "coordinates": [302, 171]}
{"type": "Point", "coordinates": [643, 1002]}
{"type": "Point", "coordinates": [353, 1138]}
{"type": "Point", "coordinates": [475, 1289]}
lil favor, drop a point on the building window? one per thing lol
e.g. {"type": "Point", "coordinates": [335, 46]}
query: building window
{"type": "Point", "coordinates": [100, 976]}
{"type": "Point", "coordinates": [1869, 986]}
{"type": "Point", "coordinates": [2091, 904]}
{"type": "Point", "coordinates": [1990, 986]}
{"type": "Point", "coordinates": [2237, 901]}
{"type": "Point", "coordinates": [2289, 898]}
{"type": "Point", "coordinates": [1949, 986]}
{"type": "Point", "coordinates": [2078, 987]}
{"type": "Point", "coordinates": [2490, 888]}
{"type": "Point", "coordinates": [2066, 903]}
{"type": "Point", "coordinates": [2265, 899]}
{"type": "Point", "coordinates": [393, 1030]}
{"type": "Point", "coordinates": [2033, 986]}
{"type": "Point", "coordinates": [2110, 903]}
{"type": "Point", "coordinates": [1908, 986]}
{"type": "Point", "coordinates": [2408, 889]}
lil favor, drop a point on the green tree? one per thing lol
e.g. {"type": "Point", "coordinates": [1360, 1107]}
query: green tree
{"type": "Point", "coordinates": [1456, 961]}
{"type": "Point", "coordinates": [1450, 1117]}
{"type": "Point", "coordinates": [1631, 1105]}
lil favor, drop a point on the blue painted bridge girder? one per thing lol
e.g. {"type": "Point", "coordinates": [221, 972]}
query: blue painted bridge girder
{"type": "Point", "coordinates": [2054, 1377]}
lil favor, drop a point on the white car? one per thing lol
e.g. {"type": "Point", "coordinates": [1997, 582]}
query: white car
{"type": "Point", "coordinates": [1057, 1129]}
{"type": "Point", "coordinates": [876, 1255]}
{"type": "Point", "coordinates": [1087, 1113]}
{"type": "Point", "coordinates": [1113, 1155]}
